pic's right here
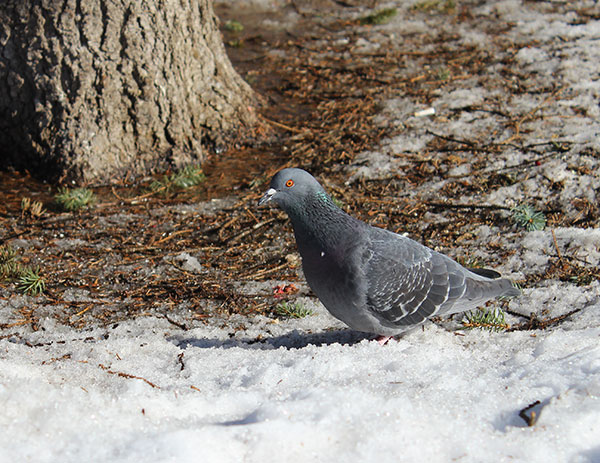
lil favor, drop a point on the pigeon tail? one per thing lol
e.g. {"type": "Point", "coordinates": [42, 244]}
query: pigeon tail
{"type": "Point", "coordinates": [504, 288]}
{"type": "Point", "coordinates": [511, 291]}
{"type": "Point", "coordinates": [483, 289]}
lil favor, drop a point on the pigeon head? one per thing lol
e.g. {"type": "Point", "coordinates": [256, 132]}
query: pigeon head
{"type": "Point", "coordinates": [292, 189]}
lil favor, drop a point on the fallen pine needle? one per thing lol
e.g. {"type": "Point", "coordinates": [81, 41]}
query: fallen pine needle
{"type": "Point", "coordinates": [127, 375]}
{"type": "Point", "coordinates": [81, 312]}
{"type": "Point", "coordinates": [168, 237]}
{"type": "Point", "coordinates": [556, 245]}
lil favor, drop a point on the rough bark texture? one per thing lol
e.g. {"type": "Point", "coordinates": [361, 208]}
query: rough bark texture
{"type": "Point", "coordinates": [95, 89]}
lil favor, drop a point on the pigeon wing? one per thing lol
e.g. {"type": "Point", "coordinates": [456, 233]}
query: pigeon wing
{"type": "Point", "coordinates": [407, 282]}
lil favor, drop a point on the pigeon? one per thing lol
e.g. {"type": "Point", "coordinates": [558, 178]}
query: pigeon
{"type": "Point", "coordinates": [372, 279]}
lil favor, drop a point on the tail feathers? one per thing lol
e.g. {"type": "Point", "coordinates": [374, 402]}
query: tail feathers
{"type": "Point", "coordinates": [491, 284]}
{"type": "Point", "coordinates": [505, 288]}
{"type": "Point", "coordinates": [482, 290]}
{"type": "Point", "coordinates": [478, 291]}
{"type": "Point", "coordinates": [510, 291]}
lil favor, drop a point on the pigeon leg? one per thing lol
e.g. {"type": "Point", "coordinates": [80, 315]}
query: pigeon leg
{"type": "Point", "coordinates": [382, 340]}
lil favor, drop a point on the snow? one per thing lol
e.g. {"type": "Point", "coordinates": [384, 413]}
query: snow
{"type": "Point", "coordinates": [434, 395]}
{"type": "Point", "coordinates": [259, 390]}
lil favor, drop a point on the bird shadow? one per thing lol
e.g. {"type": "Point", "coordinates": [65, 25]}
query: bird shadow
{"type": "Point", "coordinates": [291, 340]}
{"type": "Point", "coordinates": [592, 454]}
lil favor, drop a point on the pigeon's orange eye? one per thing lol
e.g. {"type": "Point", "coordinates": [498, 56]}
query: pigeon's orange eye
{"type": "Point", "coordinates": [289, 183]}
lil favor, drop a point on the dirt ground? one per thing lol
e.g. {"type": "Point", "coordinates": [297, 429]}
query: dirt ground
{"type": "Point", "coordinates": [333, 88]}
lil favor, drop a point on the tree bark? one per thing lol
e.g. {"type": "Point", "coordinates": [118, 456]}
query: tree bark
{"type": "Point", "coordinates": [92, 90]}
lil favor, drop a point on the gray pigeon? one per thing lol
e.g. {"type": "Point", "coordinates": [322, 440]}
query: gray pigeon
{"type": "Point", "coordinates": [372, 279]}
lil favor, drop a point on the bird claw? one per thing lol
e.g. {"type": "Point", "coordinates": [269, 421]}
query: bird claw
{"type": "Point", "coordinates": [382, 340]}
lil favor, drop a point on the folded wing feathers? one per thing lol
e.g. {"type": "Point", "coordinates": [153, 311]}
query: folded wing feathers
{"type": "Point", "coordinates": [408, 292]}
{"type": "Point", "coordinates": [407, 282]}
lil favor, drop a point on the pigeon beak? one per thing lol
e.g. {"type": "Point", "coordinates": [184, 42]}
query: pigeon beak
{"type": "Point", "coordinates": [267, 196]}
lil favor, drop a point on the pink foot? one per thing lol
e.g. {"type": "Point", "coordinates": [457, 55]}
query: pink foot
{"type": "Point", "coordinates": [382, 340]}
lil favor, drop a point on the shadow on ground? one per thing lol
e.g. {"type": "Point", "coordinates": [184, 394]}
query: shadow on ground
{"type": "Point", "coordinates": [292, 340]}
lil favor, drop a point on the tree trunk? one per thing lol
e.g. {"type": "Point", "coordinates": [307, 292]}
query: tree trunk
{"type": "Point", "coordinates": [97, 89]}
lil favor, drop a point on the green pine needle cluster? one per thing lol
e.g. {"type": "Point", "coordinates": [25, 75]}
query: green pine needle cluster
{"type": "Point", "coordinates": [379, 17]}
{"type": "Point", "coordinates": [234, 26]}
{"type": "Point", "coordinates": [486, 319]}
{"type": "Point", "coordinates": [435, 6]}
{"type": "Point", "coordinates": [584, 278]}
{"type": "Point", "coordinates": [28, 279]}
{"type": "Point", "coordinates": [31, 282]}
{"type": "Point", "coordinates": [292, 310]}
{"type": "Point", "coordinates": [443, 74]}
{"type": "Point", "coordinates": [526, 216]}
{"type": "Point", "coordinates": [184, 178]}
{"type": "Point", "coordinates": [73, 199]}
{"type": "Point", "coordinates": [9, 267]}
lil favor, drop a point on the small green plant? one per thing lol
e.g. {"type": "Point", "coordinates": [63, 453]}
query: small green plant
{"type": "Point", "coordinates": [435, 6]}
{"type": "Point", "coordinates": [10, 270]}
{"type": "Point", "coordinates": [189, 176]}
{"type": "Point", "coordinates": [292, 310]}
{"type": "Point", "coordinates": [184, 178]}
{"type": "Point", "coordinates": [9, 267]}
{"type": "Point", "coordinates": [31, 282]}
{"type": "Point", "coordinates": [7, 254]}
{"type": "Point", "coordinates": [234, 26]}
{"type": "Point", "coordinates": [337, 202]}
{"type": "Point", "coordinates": [584, 278]}
{"type": "Point", "coordinates": [485, 319]}
{"type": "Point", "coordinates": [379, 17]}
{"type": "Point", "coordinates": [526, 216]}
{"type": "Point", "coordinates": [235, 44]}
{"type": "Point", "coordinates": [73, 199]}
{"type": "Point", "coordinates": [443, 74]}
{"type": "Point", "coordinates": [28, 279]}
